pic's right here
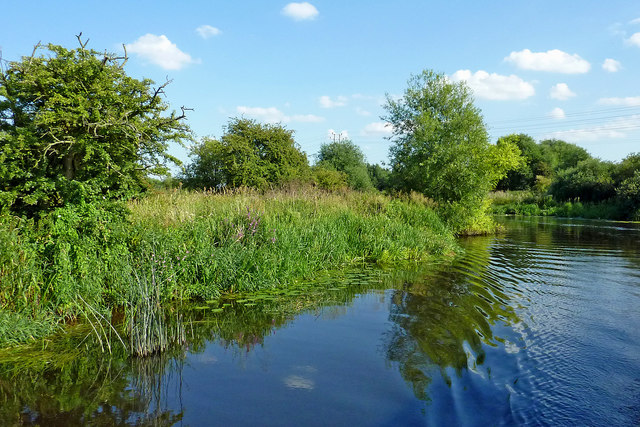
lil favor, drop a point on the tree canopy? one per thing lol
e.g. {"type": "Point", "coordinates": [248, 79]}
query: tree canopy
{"type": "Point", "coordinates": [563, 155]}
{"type": "Point", "coordinates": [74, 126]}
{"type": "Point", "coordinates": [248, 154]}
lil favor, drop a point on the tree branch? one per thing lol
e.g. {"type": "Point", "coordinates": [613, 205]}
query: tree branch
{"type": "Point", "coordinates": [82, 45]}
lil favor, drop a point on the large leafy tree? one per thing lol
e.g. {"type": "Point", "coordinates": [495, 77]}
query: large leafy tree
{"type": "Point", "coordinates": [441, 147]}
{"type": "Point", "coordinates": [345, 156]}
{"type": "Point", "coordinates": [249, 154]}
{"type": "Point", "coordinates": [74, 126]}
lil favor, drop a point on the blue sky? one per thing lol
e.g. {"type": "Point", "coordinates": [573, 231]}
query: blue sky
{"type": "Point", "coordinates": [564, 69]}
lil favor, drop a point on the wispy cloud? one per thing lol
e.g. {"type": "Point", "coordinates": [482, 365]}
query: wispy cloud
{"type": "Point", "coordinates": [159, 50]}
{"type": "Point", "coordinates": [614, 129]}
{"type": "Point", "coordinates": [552, 60]}
{"type": "Point", "coordinates": [495, 86]}
{"type": "Point", "coordinates": [327, 102]}
{"type": "Point", "coordinates": [274, 115]}
{"type": "Point", "coordinates": [300, 11]}
{"type": "Point", "coordinates": [207, 31]}
{"type": "Point", "coordinates": [629, 101]}
{"type": "Point", "coordinates": [362, 112]}
{"type": "Point", "coordinates": [377, 129]}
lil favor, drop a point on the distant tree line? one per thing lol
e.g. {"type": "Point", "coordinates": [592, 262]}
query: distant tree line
{"type": "Point", "coordinates": [569, 173]}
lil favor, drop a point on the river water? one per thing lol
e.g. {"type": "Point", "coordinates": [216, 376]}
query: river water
{"type": "Point", "coordinates": [539, 325]}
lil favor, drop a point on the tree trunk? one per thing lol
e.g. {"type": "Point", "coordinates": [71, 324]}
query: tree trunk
{"type": "Point", "coordinates": [69, 167]}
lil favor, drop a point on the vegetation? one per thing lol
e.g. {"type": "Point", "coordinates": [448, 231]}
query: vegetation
{"type": "Point", "coordinates": [81, 143]}
{"type": "Point", "coordinates": [249, 154]}
{"type": "Point", "coordinates": [83, 261]}
{"type": "Point", "coordinates": [562, 179]}
{"type": "Point", "coordinates": [75, 128]}
{"type": "Point", "coordinates": [345, 156]}
{"type": "Point", "coordinates": [441, 149]}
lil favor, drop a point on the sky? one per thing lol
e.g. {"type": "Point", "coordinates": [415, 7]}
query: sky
{"type": "Point", "coordinates": [551, 69]}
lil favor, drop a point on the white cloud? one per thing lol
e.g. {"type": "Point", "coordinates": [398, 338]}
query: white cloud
{"type": "Point", "coordinates": [634, 39]}
{"type": "Point", "coordinates": [629, 101]}
{"type": "Point", "coordinates": [561, 92]}
{"type": "Point", "coordinates": [300, 11]}
{"type": "Point", "coordinates": [552, 60]}
{"type": "Point", "coordinates": [207, 31]}
{"type": "Point", "coordinates": [342, 135]}
{"type": "Point", "coordinates": [614, 129]}
{"type": "Point", "coordinates": [160, 51]}
{"type": "Point", "coordinates": [611, 65]}
{"type": "Point", "coordinates": [378, 129]}
{"type": "Point", "coordinates": [327, 102]}
{"type": "Point", "coordinates": [273, 115]}
{"type": "Point", "coordinates": [635, 21]}
{"type": "Point", "coordinates": [495, 86]}
{"type": "Point", "coordinates": [557, 113]}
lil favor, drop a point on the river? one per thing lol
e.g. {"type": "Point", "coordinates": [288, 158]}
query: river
{"type": "Point", "coordinates": [539, 325]}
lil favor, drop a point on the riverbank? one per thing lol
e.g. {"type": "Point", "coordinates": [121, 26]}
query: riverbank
{"type": "Point", "coordinates": [91, 263]}
{"type": "Point", "coordinates": [530, 204]}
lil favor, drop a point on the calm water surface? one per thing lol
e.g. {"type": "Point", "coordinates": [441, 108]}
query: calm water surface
{"type": "Point", "coordinates": [538, 326]}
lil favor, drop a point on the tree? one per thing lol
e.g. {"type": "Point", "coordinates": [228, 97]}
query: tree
{"type": "Point", "coordinates": [628, 193]}
{"type": "Point", "coordinates": [590, 180]}
{"type": "Point", "coordinates": [74, 126]}
{"type": "Point", "coordinates": [534, 164]}
{"type": "Point", "coordinates": [441, 147]}
{"type": "Point", "coordinates": [345, 156]}
{"type": "Point", "coordinates": [380, 176]}
{"type": "Point", "coordinates": [248, 154]}
{"type": "Point", "coordinates": [627, 167]}
{"type": "Point", "coordinates": [563, 155]}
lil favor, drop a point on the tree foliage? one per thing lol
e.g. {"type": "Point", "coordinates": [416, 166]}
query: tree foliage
{"type": "Point", "coordinates": [563, 155]}
{"type": "Point", "coordinates": [248, 154]}
{"type": "Point", "coordinates": [380, 177]}
{"type": "Point", "coordinates": [535, 164]}
{"type": "Point", "coordinates": [347, 157]}
{"type": "Point", "coordinates": [590, 181]}
{"type": "Point", "coordinates": [441, 146]}
{"type": "Point", "coordinates": [74, 126]}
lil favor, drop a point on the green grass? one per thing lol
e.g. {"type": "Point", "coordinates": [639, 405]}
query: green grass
{"type": "Point", "coordinates": [89, 261]}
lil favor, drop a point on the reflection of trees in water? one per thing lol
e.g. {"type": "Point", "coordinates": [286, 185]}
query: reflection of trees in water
{"type": "Point", "coordinates": [439, 317]}
{"type": "Point", "coordinates": [95, 389]}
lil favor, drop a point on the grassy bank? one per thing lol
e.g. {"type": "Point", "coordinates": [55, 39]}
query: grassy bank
{"type": "Point", "coordinates": [531, 204]}
{"type": "Point", "coordinates": [93, 262]}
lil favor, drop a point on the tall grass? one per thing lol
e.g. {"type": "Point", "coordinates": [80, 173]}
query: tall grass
{"type": "Point", "coordinates": [198, 245]}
